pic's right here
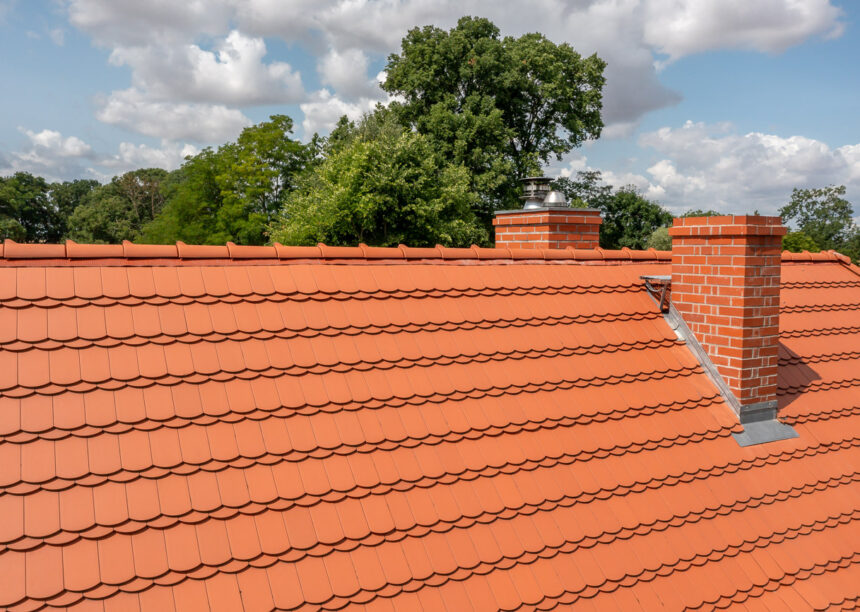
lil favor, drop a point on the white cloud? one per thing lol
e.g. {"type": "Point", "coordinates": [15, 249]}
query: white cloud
{"type": "Point", "coordinates": [169, 156]}
{"type": "Point", "coordinates": [683, 28]}
{"type": "Point", "coordinates": [233, 74]}
{"type": "Point", "coordinates": [207, 123]}
{"type": "Point", "coordinates": [137, 22]}
{"type": "Point", "coordinates": [157, 39]}
{"type": "Point", "coordinates": [50, 154]}
{"type": "Point", "coordinates": [346, 73]}
{"type": "Point", "coordinates": [57, 36]}
{"type": "Point", "coordinates": [323, 112]}
{"type": "Point", "coordinates": [51, 140]}
{"type": "Point", "coordinates": [712, 166]}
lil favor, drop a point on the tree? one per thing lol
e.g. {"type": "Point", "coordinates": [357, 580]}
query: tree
{"type": "Point", "coordinates": [68, 195]}
{"type": "Point", "coordinates": [27, 213]}
{"type": "Point", "coordinates": [660, 240]}
{"type": "Point", "coordinates": [383, 185]}
{"type": "Point", "coordinates": [698, 212]}
{"type": "Point", "coordinates": [629, 219]}
{"type": "Point", "coordinates": [118, 210]}
{"type": "Point", "coordinates": [823, 215]}
{"type": "Point", "coordinates": [799, 241]}
{"type": "Point", "coordinates": [585, 191]}
{"type": "Point", "coordinates": [234, 193]}
{"type": "Point", "coordinates": [193, 200]}
{"type": "Point", "coordinates": [497, 106]}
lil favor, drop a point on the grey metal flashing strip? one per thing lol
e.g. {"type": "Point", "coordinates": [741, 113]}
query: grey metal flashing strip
{"type": "Point", "coordinates": [570, 209]}
{"type": "Point", "coordinates": [759, 420]}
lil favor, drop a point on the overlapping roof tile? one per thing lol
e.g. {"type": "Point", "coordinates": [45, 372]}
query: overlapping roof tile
{"type": "Point", "coordinates": [318, 429]}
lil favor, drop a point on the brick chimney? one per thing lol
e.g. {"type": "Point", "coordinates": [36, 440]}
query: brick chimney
{"type": "Point", "coordinates": [548, 227]}
{"type": "Point", "coordinates": [725, 285]}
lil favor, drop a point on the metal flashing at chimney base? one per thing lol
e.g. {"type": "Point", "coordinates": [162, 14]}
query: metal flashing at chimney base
{"type": "Point", "coordinates": [759, 419]}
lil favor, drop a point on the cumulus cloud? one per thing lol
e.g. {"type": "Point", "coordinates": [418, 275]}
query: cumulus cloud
{"type": "Point", "coordinates": [157, 39]}
{"type": "Point", "coordinates": [347, 73]}
{"type": "Point", "coordinates": [714, 167]}
{"type": "Point", "coordinates": [234, 73]}
{"type": "Point", "coordinates": [50, 154]}
{"type": "Point", "coordinates": [324, 110]}
{"type": "Point", "coordinates": [683, 28]}
{"type": "Point", "coordinates": [57, 158]}
{"type": "Point", "coordinates": [133, 22]}
{"type": "Point", "coordinates": [207, 123]}
{"type": "Point", "coordinates": [169, 156]}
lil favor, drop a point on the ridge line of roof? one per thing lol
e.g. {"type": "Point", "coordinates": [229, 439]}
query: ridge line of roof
{"type": "Point", "coordinates": [70, 250]}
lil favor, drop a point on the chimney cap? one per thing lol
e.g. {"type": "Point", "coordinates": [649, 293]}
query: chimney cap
{"type": "Point", "coordinates": [555, 198]}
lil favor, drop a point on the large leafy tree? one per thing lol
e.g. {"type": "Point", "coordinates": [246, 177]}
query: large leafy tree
{"type": "Point", "coordinates": [68, 195]}
{"type": "Point", "coordinates": [27, 213]}
{"type": "Point", "coordinates": [629, 219]}
{"type": "Point", "coordinates": [234, 192]}
{"type": "Point", "coordinates": [497, 106]}
{"type": "Point", "coordinates": [824, 216]}
{"type": "Point", "coordinates": [383, 185]}
{"type": "Point", "coordinates": [118, 210]}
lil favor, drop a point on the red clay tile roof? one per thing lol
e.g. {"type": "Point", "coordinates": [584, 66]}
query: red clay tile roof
{"type": "Point", "coordinates": [408, 434]}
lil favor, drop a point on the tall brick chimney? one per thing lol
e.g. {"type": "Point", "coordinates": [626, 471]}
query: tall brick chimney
{"type": "Point", "coordinates": [725, 285]}
{"type": "Point", "coordinates": [548, 227]}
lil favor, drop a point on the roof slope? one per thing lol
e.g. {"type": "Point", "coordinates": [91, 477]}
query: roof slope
{"type": "Point", "coordinates": [411, 435]}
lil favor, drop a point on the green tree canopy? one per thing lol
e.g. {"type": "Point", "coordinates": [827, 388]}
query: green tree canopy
{"type": "Point", "coordinates": [27, 213]}
{"type": "Point", "coordinates": [586, 190]}
{"type": "Point", "coordinates": [233, 193]}
{"type": "Point", "coordinates": [659, 239]}
{"type": "Point", "coordinates": [68, 195]}
{"type": "Point", "coordinates": [822, 214]}
{"type": "Point", "coordinates": [383, 185]}
{"type": "Point", "coordinates": [497, 106]}
{"type": "Point", "coordinates": [118, 210]}
{"type": "Point", "coordinates": [629, 219]}
{"type": "Point", "coordinates": [798, 241]}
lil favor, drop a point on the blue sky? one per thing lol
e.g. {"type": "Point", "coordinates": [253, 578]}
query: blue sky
{"type": "Point", "coordinates": [724, 104]}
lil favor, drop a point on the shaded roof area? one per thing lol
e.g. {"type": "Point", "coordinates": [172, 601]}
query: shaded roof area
{"type": "Point", "coordinates": [434, 434]}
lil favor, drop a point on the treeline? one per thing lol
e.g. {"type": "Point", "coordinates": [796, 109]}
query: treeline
{"type": "Point", "coordinates": [473, 114]}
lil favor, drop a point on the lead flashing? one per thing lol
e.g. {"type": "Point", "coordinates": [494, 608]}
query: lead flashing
{"type": "Point", "coordinates": [759, 420]}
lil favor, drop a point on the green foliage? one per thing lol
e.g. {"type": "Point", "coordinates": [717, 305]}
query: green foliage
{"type": "Point", "coordinates": [585, 191]}
{"type": "Point", "coordinates": [118, 210]}
{"type": "Point", "coordinates": [799, 241]}
{"type": "Point", "coordinates": [660, 240]}
{"type": "Point", "coordinates": [382, 185]}
{"type": "Point", "coordinates": [233, 193]}
{"type": "Point", "coordinates": [497, 106]}
{"type": "Point", "coordinates": [629, 219]}
{"type": "Point", "coordinates": [824, 216]}
{"type": "Point", "coordinates": [698, 212]}
{"type": "Point", "coordinates": [68, 195]}
{"type": "Point", "coordinates": [27, 212]}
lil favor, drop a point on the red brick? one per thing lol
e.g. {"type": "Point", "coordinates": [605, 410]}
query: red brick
{"type": "Point", "coordinates": [725, 281]}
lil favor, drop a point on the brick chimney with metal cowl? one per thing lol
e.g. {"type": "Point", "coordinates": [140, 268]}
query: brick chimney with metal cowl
{"type": "Point", "coordinates": [725, 291]}
{"type": "Point", "coordinates": [546, 221]}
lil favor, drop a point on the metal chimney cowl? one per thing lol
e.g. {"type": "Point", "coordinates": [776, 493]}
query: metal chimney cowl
{"type": "Point", "coordinates": [535, 190]}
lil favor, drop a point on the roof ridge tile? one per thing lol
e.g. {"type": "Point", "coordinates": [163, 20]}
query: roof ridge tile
{"type": "Point", "coordinates": [70, 250]}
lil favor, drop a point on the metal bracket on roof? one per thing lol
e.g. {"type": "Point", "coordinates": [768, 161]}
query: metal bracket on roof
{"type": "Point", "coordinates": [658, 284]}
{"type": "Point", "coordinates": [759, 420]}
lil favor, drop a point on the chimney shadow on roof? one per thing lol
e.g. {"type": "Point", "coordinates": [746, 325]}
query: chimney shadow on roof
{"type": "Point", "coordinates": [793, 376]}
